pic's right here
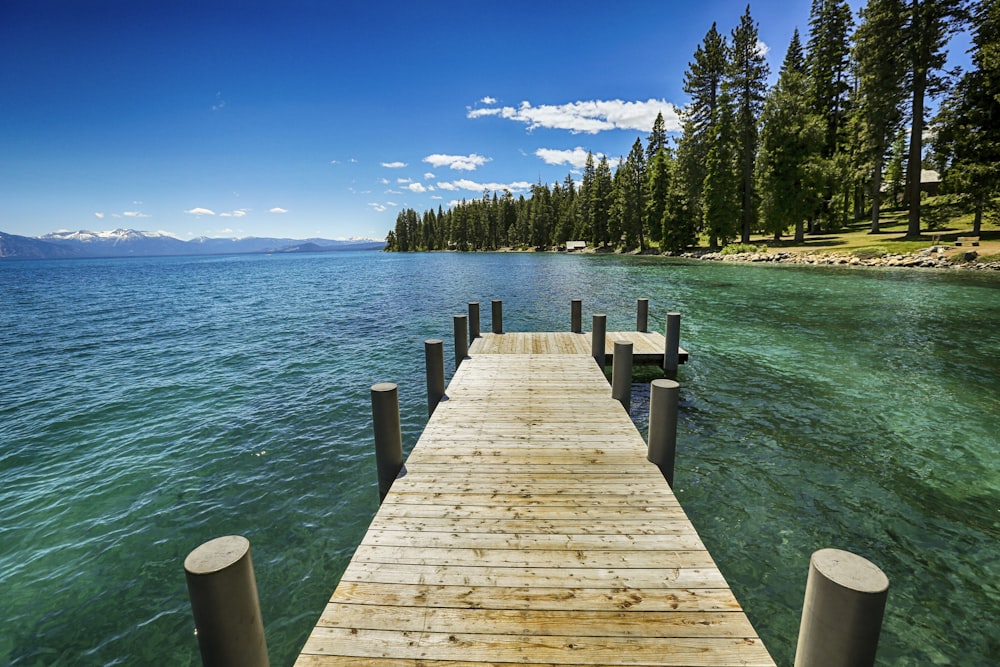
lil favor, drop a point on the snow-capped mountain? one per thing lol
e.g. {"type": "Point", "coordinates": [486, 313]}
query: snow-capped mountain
{"type": "Point", "coordinates": [132, 243]}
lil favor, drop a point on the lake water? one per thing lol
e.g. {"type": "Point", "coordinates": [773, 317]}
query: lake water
{"type": "Point", "coordinates": [148, 405]}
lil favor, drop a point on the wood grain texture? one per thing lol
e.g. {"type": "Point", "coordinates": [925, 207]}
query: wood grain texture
{"type": "Point", "coordinates": [528, 528]}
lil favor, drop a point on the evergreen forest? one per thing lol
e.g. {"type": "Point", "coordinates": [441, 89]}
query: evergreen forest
{"type": "Point", "coordinates": [839, 137]}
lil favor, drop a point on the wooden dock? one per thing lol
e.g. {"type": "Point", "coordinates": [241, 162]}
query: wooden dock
{"type": "Point", "coordinates": [647, 347]}
{"type": "Point", "coordinates": [528, 528]}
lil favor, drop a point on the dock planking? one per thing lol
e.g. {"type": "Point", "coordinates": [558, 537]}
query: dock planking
{"type": "Point", "coordinates": [647, 347]}
{"type": "Point", "coordinates": [528, 528]}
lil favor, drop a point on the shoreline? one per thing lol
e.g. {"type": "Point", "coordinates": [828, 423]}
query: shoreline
{"type": "Point", "coordinates": [934, 257]}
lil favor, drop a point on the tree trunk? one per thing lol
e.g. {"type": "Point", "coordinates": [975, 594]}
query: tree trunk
{"type": "Point", "coordinates": [916, 149]}
{"type": "Point", "coordinates": [876, 193]}
{"type": "Point", "coordinates": [977, 221]}
{"type": "Point", "coordinates": [800, 231]}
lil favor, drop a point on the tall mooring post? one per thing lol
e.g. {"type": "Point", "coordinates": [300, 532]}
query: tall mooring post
{"type": "Point", "coordinates": [642, 315]}
{"type": "Point", "coordinates": [671, 353]}
{"type": "Point", "coordinates": [473, 321]}
{"type": "Point", "coordinates": [434, 363]}
{"type": "Point", "coordinates": [388, 435]}
{"type": "Point", "coordinates": [621, 374]}
{"type": "Point", "coordinates": [842, 611]}
{"type": "Point", "coordinates": [461, 339]}
{"type": "Point", "coordinates": [223, 593]}
{"type": "Point", "coordinates": [598, 333]}
{"type": "Point", "coordinates": [662, 435]}
{"type": "Point", "coordinates": [576, 316]}
{"type": "Point", "coordinates": [497, 316]}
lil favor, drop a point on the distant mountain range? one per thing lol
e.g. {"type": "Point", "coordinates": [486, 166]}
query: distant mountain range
{"type": "Point", "coordinates": [131, 243]}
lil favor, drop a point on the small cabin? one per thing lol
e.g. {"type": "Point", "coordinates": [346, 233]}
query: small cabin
{"type": "Point", "coordinates": [575, 245]}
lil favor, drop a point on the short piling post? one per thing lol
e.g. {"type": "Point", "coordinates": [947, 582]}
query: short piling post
{"type": "Point", "coordinates": [598, 333]}
{"type": "Point", "coordinates": [576, 316]}
{"type": "Point", "coordinates": [388, 435]}
{"type": "Point", "coordinates": [662, 441]}
{"type": "Point", "coordinates": [673, 343]}
{"type": "Point", "coordinates": [434, 362]}
{"type": "Point", "coordinates": [497, 316]}
{"type": "Point", "coordinates": [621, 374]}
{"type": "Point", "coordinates": [842, 611]}
{"type": "Point", "coordinates": [642, 315]}
{"type": "Point", "coordinates": [461, 340]}
{"type": "Point", "coordinates": [223, 593]}
{"type": "Point", "coordinates": [473, 321]}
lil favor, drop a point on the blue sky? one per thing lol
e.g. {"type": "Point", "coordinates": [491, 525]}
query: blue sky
{"type": "Point", "coordinates": [309, 118]}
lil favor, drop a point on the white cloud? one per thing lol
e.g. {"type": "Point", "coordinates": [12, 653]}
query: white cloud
{"type": "Point", "coordinates": [378, 207]}
{"type": "Point", "coordinates": [489, 100]}
{"type": "Point", "coordinates": [404, 181]}
{"type": "Point", "coordinates": [576, 157]}
{"type": "Point", "coordinates": [457, 162]}
{"type": "Point", "coordinates": [134, 214]}
{"type": "Point", "coordinates": [384, 181]}
{"type": "Point", "coordinates": [589, 117]}
{"type": "Point", "coordinates": [417, 187]}
{"type": "Point", "coordinates": [200, 211]}
{"type": "Point", "coordinates": [278, 209]}
{"type": "Point", "coordinates": [99, 215]}
{"type": "Point", "coordinates": [474, 186]}
{"type": "Point", "coordinates": [428, 176]}
{"type": "Point", "coordinates": [762, 48]}
{"type": "Point", "coordinates": [240, 213]}
{"type": "Point", "coordinates": [393, 165]}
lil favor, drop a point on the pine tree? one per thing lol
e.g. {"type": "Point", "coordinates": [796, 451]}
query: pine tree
{"type": "Point", "coordinates": [703, 82]}
{"type": "Point", "coordinates": [746, 83]}
{"type": "Point", "coordinates": [791, 142]}
{"type": "Point", "coordinates": [657, 139]}
{"type": "Point", "coordinates": [878, 41]}
{"type": "Point", "coordinates": [930, 24]}
{"type": "Point", "coordinates": [968, 126]}
{"type": "Point", "coordinates": [721, 207]}
{"type": "Point", "coordinates": [601, 203]}
{"type": "Point", "coordinates": [630, 198]}
{"type": "Point", "coordinates": [657, 192]}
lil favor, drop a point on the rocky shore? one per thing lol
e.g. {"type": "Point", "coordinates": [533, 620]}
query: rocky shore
{"type": "Point", "coordinates": [935, 257]}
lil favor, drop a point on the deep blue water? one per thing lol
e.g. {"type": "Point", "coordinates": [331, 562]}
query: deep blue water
{"type": "Point", "coordinates": [147, 405]}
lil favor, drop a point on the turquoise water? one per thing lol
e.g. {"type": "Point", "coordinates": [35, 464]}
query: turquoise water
{"type": "Point", "coordinates": [148, 405]}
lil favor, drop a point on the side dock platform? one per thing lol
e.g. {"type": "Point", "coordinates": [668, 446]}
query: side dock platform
{"type": "Point", "coordinates": [527, 527]}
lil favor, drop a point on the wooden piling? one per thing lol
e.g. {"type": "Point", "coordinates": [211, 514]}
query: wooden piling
{"type": "Point", "coordinates": [388, 435]}
{"type": "Point", "coordinates": [461, 342]}
{"type": "Point", "coordinates": [434, 363]}
{"type": "Point", "coordinates": [673, 342]}
{"type": "Point", "coordinates": [842, 611]}
{"type": "Point", "coordinates": [497, 306]}
{"type": "Point", "coordinates": [598, 333]}
{"type": "Point", "coordinates": [576, 316]}
{"type": "Point", "coordinates": [473, 321]}
{"type": "Point", "coordinates": [223, 593]}
{"type": "Point", "coordinates": [662, 434]}
{"type": "Point", "coordinates": [642, 315]}
{"type": "Point", "coordinates": [621, 374]}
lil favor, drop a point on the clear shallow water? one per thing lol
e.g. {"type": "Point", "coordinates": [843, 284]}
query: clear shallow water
{"type": "Point", "coordinates": [149, 405]}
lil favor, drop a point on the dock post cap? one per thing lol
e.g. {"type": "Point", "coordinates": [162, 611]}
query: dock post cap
{"type": "Point", "coordinates": [385, 386]}
{"type": "Point", "coordinates": [850, 571]}
{"type": "Point", "coordinates": [216, 555]}
{"type": "Point", "coordinates": [665, 383]}
{"type": "Point", "coordinates": [433, 341]}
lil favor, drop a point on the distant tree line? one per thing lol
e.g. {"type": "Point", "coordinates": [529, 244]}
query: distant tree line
{"type": "Point", "coordinates": [840, 131]}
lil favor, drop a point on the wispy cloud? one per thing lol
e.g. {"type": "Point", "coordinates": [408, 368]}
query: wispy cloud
{"type": "Point", "coordinates": [240, 213]}
{"type": "Point", "coordinates": [220, 103]}
{"type": "Point", "coordinates": [588, 117]}
{"type": "Point", "coordinates": [200, 211]}
{"type": "Point", "coordinates": [489, 100]}
{"type": "Point", "coordinates": [469, 162]}
{"type": "Point", "coordinates": [419, 188]}
{"type": "Point", "coordinates": [474, 186]}
{"type": "Point", "coordinates": [278, 209]}
{"type": "Point", "coordinates": [135, 214]}
{"type": "Point", "coordinates": [378, 207]}
{"type": "Point", "coordinates": [428, 176]}
{"type": "Point", "coordinates": [393, 165]}
{"type": "Point", "coordinates": [99, 215]}
{"type": "Point", "coordinates": [576, 157]}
